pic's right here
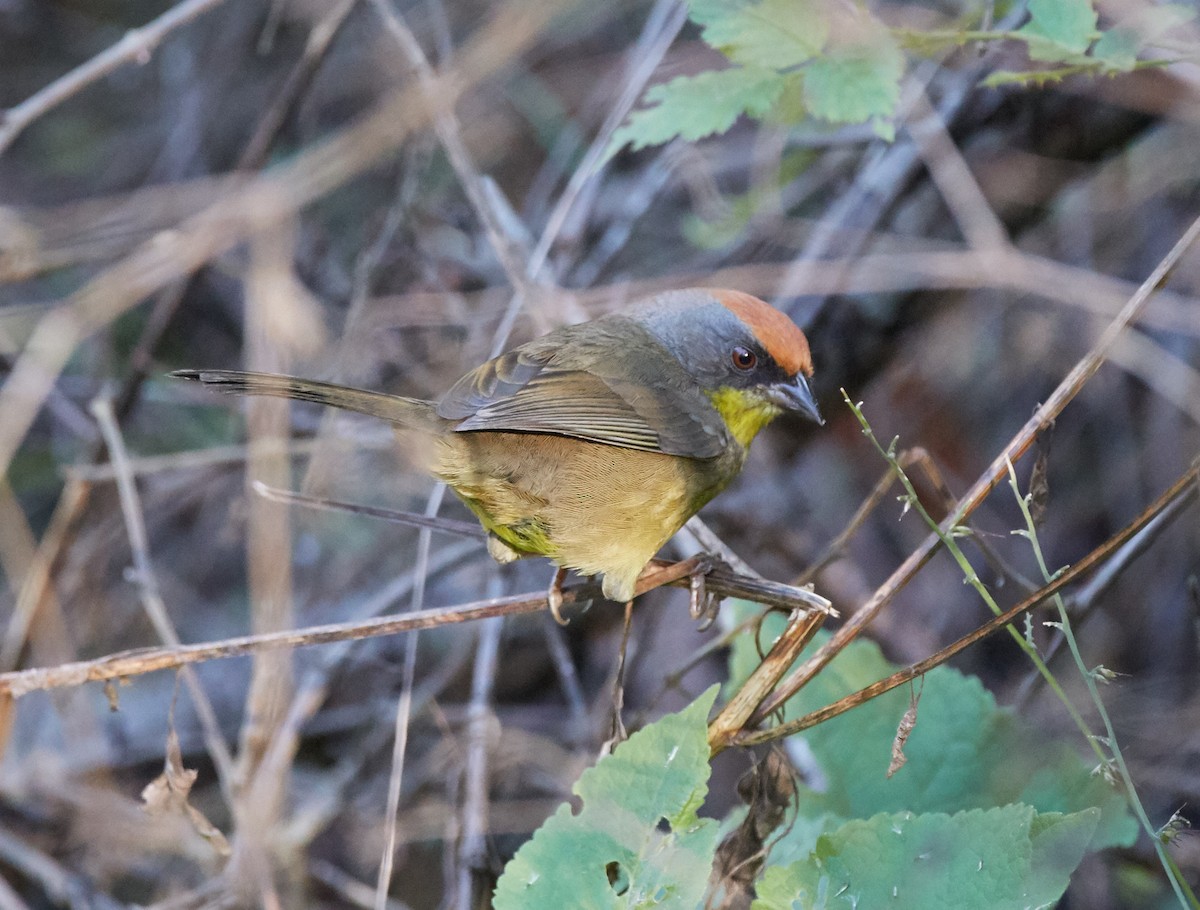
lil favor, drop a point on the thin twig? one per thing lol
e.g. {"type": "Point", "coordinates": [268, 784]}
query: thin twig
{"type": "Point", "coordinates": [472, 848]}
{"type": "Point", "coordinates": [295, 87]}
{"type": "Point", "coordinates": [568, 679]}
{"type": "Point", "coordinates": [146, 580]}
{"type": "Point", "coordinates": [136, 662]}
{"type": "Point", "coordinates": [135, 47]}
{"type": "Point", "coordinates": [404, 707]}
{"type": "Point", "coordinates": [1081, 604]}
{"type": "Point", "coordinates": [269, 572]}
{"type": "Point", "coordinates": [979, 224]}
{"type": "Point", "coordinates": [663, 24]}
{"type": "Point", "coordinates": [507, 247]}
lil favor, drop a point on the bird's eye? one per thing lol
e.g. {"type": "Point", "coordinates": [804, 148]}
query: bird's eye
{"type": "Point", "coordinates": [743, 358]}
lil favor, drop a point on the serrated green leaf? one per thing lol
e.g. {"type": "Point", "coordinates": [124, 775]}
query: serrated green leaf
{"type": "Point", "coordinates": [772, 33]}
{"type": "Point", "coordinates": [692, 107]}
{"type": "Point", "coordinates": [659, 773]}
{"type": "Point", "coordinates": [856, 83]}
{"type": "Point", "coordinates": [965, 752]}
{"type": "Point", "coordinates": [1007, 858]}
{"type": "Point", "coordinates": [1058, 30]}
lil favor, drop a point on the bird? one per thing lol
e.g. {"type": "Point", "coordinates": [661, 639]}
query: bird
{"type": "Point", "coordinates": [593, 444]}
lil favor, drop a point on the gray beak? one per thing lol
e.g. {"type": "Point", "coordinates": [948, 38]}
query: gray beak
{"type": "Point", "coordinates": [796, 396]}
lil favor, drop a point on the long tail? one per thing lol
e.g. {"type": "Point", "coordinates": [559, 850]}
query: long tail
{"type": "Point", "coordinates": [408, 412]}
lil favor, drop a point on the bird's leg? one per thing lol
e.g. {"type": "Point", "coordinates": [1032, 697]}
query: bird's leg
{"type": "Point", "coordinates": [554, 597]}
{"type": "Point", "coordinates": [619, 734]}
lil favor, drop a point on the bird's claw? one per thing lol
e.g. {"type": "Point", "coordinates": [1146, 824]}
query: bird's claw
{"type": "Point", "coordinates": [702, 605]}
{"type": "Point", "coordinates": [554, 597]}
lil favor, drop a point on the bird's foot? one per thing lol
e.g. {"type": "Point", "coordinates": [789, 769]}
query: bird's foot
{"type": "Point", "coordinates": [702, 603]}
{"type": "Point", "coordinates": [554, 597]}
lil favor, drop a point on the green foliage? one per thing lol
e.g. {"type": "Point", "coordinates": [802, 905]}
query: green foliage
{"type": "Point", "coordinates": [845, 63]}
{"type": "Point", "coordinates": [791, 60]}
{"type": "Point", "coordinates": [858, 82]}
{"type": "Point", "coordinates": [1006, 858]}
{"type": "Point", "coordinates": [772, 33]}
{"type": "Point", "coordinates": [1058, 30]}
{"type": "Point", "coordinates": [693, 107]}
{"type": "Point", "coordinates": [964, 753]}
{"type": "Point", "coordinates": [614, 853]}
{"type": "Point", "coordinates": [1064, 32]}
{"type": "Point", "coordinates": [983, 814]}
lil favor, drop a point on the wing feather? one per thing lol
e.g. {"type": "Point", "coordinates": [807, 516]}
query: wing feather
{"type": "Point", "coordinates": [607, 381]}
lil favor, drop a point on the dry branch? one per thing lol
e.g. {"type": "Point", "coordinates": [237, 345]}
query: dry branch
{"type": "Point", "coordinates": [135, 662]}
{"type": "Point", "coordinates": [136, 46]}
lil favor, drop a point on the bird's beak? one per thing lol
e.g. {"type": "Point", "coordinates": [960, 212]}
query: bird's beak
{"type": "Point", "coordinates": [796, 396]}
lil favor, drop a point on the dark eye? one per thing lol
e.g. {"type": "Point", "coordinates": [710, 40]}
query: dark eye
{"type": "Point", "coordinates": [743, 358]}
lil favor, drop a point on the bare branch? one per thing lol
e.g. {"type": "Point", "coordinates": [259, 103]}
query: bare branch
{"type": "Point", "coordinates": [135, 47]}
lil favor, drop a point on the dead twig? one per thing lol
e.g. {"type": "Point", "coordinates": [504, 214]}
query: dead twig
{"type": "Point", "coordinates": [155, 608]}
{"type": "Point", "coordinates": [507, 246]}
{"type": "Point", "coordinates": [136, 47]}
{"type": "Point", "coordinates": [1185, 488]}
{"type": "Point", "coordinates": [138, 661]}
{"type": "Point", "coordinates": [471, 857]}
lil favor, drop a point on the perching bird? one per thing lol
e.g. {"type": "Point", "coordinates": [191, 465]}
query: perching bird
{"type": "Point", "coordinates": [593, 444]}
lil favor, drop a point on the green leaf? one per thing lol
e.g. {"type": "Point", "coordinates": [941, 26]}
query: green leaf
{"type": "Point", "coordinates": [1059, 30]}
{"type": "Point", "coordinates": [1008, 858]}
{"type": "Point", "coordinates": [693, 107]}
{"type": "Point", "coordinates": [659, 773]}
{"type": "Point", "coordinates": [857, 82]}
{"type": "Point", "coordinates": [1059, 842]}
{"type": "Point", "coordinates": [964, 753]}
{"type": "Point", "coordinates": [1118, 48]}
{"type": "Point", "coordinates": [772, 33]}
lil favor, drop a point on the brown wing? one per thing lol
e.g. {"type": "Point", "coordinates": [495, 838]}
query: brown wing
{"type": "Point", "coordinates": [605, 381]}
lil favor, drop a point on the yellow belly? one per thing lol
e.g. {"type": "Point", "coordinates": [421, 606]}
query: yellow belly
{"type": "Point", "coordinates": [593, 508]}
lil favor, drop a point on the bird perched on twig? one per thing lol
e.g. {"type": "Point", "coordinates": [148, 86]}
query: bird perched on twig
{"type": "Point", "coordinates": [593, 444]}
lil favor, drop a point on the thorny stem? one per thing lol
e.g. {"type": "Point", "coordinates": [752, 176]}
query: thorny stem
{"type": "Point", "coordinates": [972, 578]}
{"type": "Point", "coordinates": [1117, 759]}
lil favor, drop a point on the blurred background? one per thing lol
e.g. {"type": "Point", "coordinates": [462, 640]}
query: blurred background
{"type": "Point", "coordinates": [259, 187]}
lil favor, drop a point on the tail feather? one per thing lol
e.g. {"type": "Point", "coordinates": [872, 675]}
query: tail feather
{"type": "Point", "coordinates": [409, 412]}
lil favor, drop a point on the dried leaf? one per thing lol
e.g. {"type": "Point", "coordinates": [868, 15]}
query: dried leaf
{"type": "Point", "coordinates": [168, 793]}
{"type": "Point", "coordinates": [907, 723]}
{"type": "Point", "coordinates": [768, 789]}
{"type": "Point", "coordinates": [1039, 485]}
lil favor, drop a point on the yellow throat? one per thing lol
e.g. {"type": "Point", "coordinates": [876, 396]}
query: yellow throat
{"type": "Point", "coordinates": [744, 412]}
